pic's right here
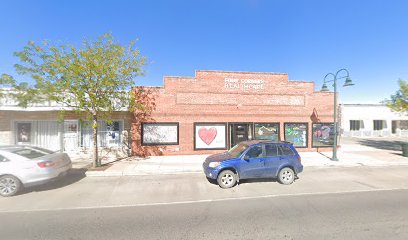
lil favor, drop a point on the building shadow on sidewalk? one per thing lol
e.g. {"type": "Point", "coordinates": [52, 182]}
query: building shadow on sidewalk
{"type": "Point", "coordinates": [381, 144]}
{"type": "Point", "coordinates": [74, 175]}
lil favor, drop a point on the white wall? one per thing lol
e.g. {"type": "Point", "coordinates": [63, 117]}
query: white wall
{"type": "Point", "coordinates": [368, 113]}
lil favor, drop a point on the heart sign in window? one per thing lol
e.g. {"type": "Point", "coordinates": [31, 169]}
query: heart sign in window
{"type": "Point", "coordinates": [207, 135]}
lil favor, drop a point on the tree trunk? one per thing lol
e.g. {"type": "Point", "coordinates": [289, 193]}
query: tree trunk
{"type": "Point", "coordinates": [96, 162]}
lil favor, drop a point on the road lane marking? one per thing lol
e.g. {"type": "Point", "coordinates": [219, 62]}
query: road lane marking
{"type": "Point", "coordinates": [199, 201]}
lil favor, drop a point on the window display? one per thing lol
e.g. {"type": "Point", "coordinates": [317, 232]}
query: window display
{"type": "Point", "coordinates": [210, 136]}
{"type": "Point", "coordinates": [160, 134]}
{"type": "Point", "coordinates": [267, 131]}
{"type": "Point", "coordinates": [323, 135]}
{"type": "Point", "coordinates": [296, 133]}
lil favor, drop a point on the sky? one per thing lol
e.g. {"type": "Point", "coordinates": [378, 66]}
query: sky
{"type": "Point", "coordinates": [305, 39]}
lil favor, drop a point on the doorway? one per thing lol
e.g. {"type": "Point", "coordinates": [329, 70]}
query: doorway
{"type": "Point", "coordinates": [394, 127]}
{"type": "Point", "coordinates": [239, 132]}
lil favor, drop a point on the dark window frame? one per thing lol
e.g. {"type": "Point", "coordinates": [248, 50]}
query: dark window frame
{"type": "Point", "coordinates": [355, 125]}
{"type": "Point", "coordinates": [274, 123]}
{"type": "Point", "coordinates": [163, 124]}
{"type": "Point", "coordinates": [307, 133]}
{"type": "Point", "coordinates": [378, 125]}
{"type": "Point", "coordinates": [324, 146]}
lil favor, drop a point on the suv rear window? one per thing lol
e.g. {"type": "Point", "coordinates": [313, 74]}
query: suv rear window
{"type": "Point", "coordinates": [285, 151]}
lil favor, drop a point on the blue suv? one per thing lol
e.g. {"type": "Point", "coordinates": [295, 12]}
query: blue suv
{"type": "Point", "coordinates": [254, 159]}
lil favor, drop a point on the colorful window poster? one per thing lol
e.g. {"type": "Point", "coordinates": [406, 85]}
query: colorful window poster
{"type": "Point", "coordinates": [210, 136]}
{"type": "Point", "coordinates": [267, 131]}
{"type": "Point", "coordinates": [23, 132]}
{"type": "Point", "coordinates": [323, 134]}
{"type": "Point", "coordinates": [296, 133]}
{"type": "Point", "coordinates": [160, 134]}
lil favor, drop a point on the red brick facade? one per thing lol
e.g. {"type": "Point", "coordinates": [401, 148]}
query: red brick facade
{"type": "Point", "coordinates": [228, 97]}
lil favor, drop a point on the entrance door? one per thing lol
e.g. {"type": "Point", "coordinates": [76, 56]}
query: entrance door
{"type": "Point", "coordinates": [394, 127]}
{"type": "Point", "coordinates": [240, 132]}
{"type": "Point", "coordinates": [71, 129]}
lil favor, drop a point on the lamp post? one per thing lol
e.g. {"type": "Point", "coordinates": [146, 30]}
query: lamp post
{"type": "Point", "coordinates": [348, 82]}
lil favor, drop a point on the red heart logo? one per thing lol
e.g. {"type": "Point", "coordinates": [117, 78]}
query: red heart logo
{"type": "Point", "coordinates": [207, 135]}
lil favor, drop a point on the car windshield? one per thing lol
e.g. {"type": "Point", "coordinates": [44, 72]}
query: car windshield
{"type": "Point", "coordinates": [238, 149]}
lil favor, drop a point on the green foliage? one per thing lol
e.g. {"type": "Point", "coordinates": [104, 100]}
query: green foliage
{"type": "Point", "coordinates": [399, 100]}
{"type": "Point", "coordinates": [95, 79]}
{"type": "Point", "coordinates": [6, 82]}
{"type": "Point", "coordinates": [22, 93]}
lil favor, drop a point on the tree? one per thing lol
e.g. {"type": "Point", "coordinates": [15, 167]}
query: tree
{"type": "Point", "coordinates": [399, 100]}
{"type": "Point", "coordinates": [22, 93]}
{"type": "Point", "coordinates": [6, 82]}
{"type": "Point", "coordinates": [95, 79]}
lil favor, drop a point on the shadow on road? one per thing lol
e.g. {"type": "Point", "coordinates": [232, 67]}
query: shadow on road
{"type": "Point", "coordinates": [381, 144]}
{"type": "Point", "coordinates": [255, 180]}
{"type": "Point", "coordinates": [73, 176]}
{"type": "Point", "coordinates": [245, 181]}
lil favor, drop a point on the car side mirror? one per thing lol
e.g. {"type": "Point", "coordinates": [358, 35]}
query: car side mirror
{"type": "Point", "coordinates": [246, 158]}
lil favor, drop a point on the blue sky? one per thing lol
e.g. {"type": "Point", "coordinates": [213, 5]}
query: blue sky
{"type": "Point", "coordinates": [306, 39]}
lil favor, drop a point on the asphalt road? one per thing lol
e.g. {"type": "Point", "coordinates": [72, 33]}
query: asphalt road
{"type": "Point", "coordinates": [364, 215]}
{"type": "Point", "coordinates": [329, 203]}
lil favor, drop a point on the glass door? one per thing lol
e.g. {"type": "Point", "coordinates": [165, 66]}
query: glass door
{"type": "Point", "coordinates": [240, 132]}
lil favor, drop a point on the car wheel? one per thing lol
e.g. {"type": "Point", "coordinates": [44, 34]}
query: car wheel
{"type": "Point", "coordinates": [286, 176]}
{"type": "Point", "coordinates": [227, 179]}
{"type": "Point", "coordinates": [9, 185]}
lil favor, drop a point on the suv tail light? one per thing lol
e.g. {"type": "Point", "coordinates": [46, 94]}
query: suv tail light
{"type": "Point", "coordinates": [300, 159]}
{"type": "Point", "coordinates": [45, 164]}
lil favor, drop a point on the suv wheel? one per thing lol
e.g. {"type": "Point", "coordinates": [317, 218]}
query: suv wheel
{"type": "Point", "coordinates": [9, 185]}
{"type": "Point", "coordinates": [227, 179]}
{"type": "Point", "coordinates": [286, 176]}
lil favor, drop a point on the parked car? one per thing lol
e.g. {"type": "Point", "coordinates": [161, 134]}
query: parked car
{"type": "Point", "coordinates": [26, 166]}
{"type": "Point", "coordinates": [254, 159]}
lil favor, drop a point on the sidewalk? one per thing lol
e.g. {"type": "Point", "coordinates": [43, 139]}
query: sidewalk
{"type": "Point", "coordinates": [348, 155]}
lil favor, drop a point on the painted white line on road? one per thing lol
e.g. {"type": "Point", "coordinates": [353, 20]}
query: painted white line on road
{"type": "Point", "coordinates": [199, 201]}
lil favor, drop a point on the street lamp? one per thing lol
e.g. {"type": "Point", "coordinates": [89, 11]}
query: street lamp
{"type": "Point", "coordinates": [347, 83]}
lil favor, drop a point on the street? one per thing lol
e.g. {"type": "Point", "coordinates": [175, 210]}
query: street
{"type": "Point", "coordinates": [324, 203]}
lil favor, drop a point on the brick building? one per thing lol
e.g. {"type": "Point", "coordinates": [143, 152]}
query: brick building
{"type": "Point", "coordinates": [214, 110]}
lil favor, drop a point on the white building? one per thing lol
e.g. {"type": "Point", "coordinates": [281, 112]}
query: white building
{"type": "Point", "coordinates": [371, 120]}
{"type": "Point", "coordinates": [40, 125]}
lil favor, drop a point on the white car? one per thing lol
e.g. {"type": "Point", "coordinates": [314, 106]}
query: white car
{"type": "Point", "coordinates": [26, 166]}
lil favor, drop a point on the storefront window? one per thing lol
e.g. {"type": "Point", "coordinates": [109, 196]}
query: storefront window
{"type": "Point", "coordinates": [356, 125]}
{"type": "Point", "coordinates": [379, 124]}
{"type": "Point", "coordinates": [403, 125]}
{"type": "Point", "coordinates": [109, 134]}
{"type": "Point", "coordinates": [323, 135]}
{"type": "Point", "coordinates": [24, 132]}
{"type": "Point", "coordinates": [44, 134]}
{"type": "Point", "coordinates": [267, 131]}
{"type": "Point", "coordinates": [160, 134]}
{"type": "Point", "coordinates": [296, 133]}
{"type": "Point", "coordinates": [210, 136]}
